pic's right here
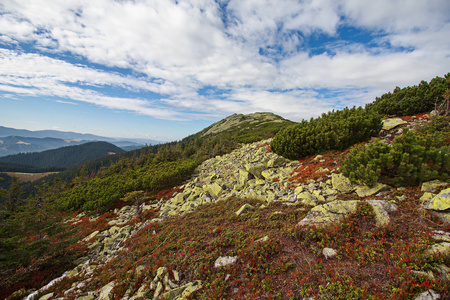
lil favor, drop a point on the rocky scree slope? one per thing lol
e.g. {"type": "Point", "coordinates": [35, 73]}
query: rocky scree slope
{"type": "Point", "coordinates": [250, 172]}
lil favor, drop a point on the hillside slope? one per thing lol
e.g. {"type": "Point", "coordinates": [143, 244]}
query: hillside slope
{"type": "Point", "coordinates": [251, 224]}
{"type": "Point", "coordinates": [64, 157]}
{"type": "Point", "coordinates": [244, 128]}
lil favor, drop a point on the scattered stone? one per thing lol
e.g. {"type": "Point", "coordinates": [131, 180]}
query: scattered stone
{"type": "Point", "coordinates": [444, 271]}
{"type": "Point", "coordinates": [263, 239]}
{"type": "Point", "coordinates": [256, 170]}
{"type": "Point", "coordinates": [19, 294]}
{"type": "Point", "coordinates": [440, 202]}
{"type": "Point", "coordinates": [381, 209]}
{"type": "Point", "coordinates": [329, 252]}
{"type": "Point", "coordinates": [329, 212]}
{"type": "Point", "coordinates": [365, 191]}
{"type": "Point", "coordinates": [224, 261]}
{"type": "Point", "coordinates": [428, 295]}
{"type": "Point", "coordinates": [441, 236]}
{"type": "Point", "coordinates": [139, 271]}
{"type": "Point", "coordinates": [159, 289]}
{"type": "Point", "coordinates": [308, 199]}
{"type": "Point", "coordinates": [341, 183]}
{"type": "Point", "coordinates": [443, 215]}
{"type": "Point", "coordinates": [87, 297]}
{"type": "Point", "coordinates": [183, 291]}
{"type": "Point", "coordinates": [389, 124]}
{"type": "Point", "coordinates": [442, 248]}
{"type": "Point", "coordinates": [318, 157]}
{"type": "Point", "coordinates": [176, 275]}
{"type": "Point", "coordinates": [426, 197]}
{"type": "Point", "coordinates": [47, 296]}
{"type": "Point", "coordinates": [107, 291]}
{"type": "Point", "coordinates": [215, 190]}
{"type": "Point", "coordinates": [91, 236]}
{"type": "Point", "coordinates": [429, 275]}
{"type": "Point", "coordinates": [276, 162]}
{"type": "Point", "coordinates": [299, 190]}
{"type": "Point", "coordinates": [431, 186]}
{"type": "Point", "coordinates": [244, 208]}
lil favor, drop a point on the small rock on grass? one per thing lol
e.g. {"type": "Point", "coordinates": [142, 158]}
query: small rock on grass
{"type": "Point", "coordinates": [329, 252]}
{"type": "Point", "coordinates": [428, 295]}
{"type": "Point", "coordinates": [224, 261]}
{"type": "Point", "coordinates": [244, 208]}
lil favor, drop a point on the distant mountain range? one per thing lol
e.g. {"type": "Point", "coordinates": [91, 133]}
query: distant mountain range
{"type": "Point", "coordinates": [64, 157]}
{"type": "Point", "coordinates": [13, 141]}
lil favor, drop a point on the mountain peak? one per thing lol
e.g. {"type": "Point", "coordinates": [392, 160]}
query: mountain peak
{"type": "Point", "coordinates": [241, 120]}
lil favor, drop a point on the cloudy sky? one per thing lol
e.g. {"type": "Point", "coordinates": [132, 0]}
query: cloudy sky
{"type": "Point", "coordinates": [164, 69]}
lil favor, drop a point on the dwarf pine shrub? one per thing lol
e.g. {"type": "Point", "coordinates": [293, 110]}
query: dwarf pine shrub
{"type": "Point", "coordinates": [413, 100]}
{"type": "Point", "coordinates": [412, 159]}
{"type": "Point", "coordinates": [336, 130]}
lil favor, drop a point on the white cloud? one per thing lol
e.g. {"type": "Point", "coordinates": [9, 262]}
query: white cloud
{"type": "Point", "coordinates": [399, 15]}
{"type": "Point", "coordinates": [35, 75]}
{"type": "Point", "coordinates": [256, 50]}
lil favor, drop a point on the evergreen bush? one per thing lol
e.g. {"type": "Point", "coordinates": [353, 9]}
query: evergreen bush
{"type": "Point", "coordinates": [413, 158]}
{"type": "Point", "coordinates": [413, 100]}
{"type": "Point", "coordinates": [336, 130]}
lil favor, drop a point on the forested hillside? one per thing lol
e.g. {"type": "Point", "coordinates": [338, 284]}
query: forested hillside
{"type": "Point", "coordinates": [64, 157]}
{"type": "Point", "coordinates": [10, 145]}
{"type": "Point", "coordinates": [131, 223]}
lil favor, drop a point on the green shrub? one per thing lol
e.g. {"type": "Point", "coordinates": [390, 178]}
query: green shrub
{"type": "Point", "coordinates": [413, 158]}
{"type": "Point", "coordinates": [102, 192]}
{"type": "Point", "coordinates": [336, 130]}
{"type": "Point", "coordinates": [412, 100]}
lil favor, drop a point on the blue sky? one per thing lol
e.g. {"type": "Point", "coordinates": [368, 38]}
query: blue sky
{"type": "Point", "coordinates": [163, 69]}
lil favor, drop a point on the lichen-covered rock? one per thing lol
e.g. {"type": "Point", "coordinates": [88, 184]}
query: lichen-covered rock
{"type": "Point", "coordinates": [158, 290]}
{"type": "Point", "coordinates": [306, 196]}
{"type": "Point", "coordinates": [341, 183]}
{"type": "Point", "coordinates": [381, 209]}
{"type": "Point", "coordinates": [263, 239]}
{"type": "Point", "coordinates": [47, 296]}
{"type": "Point", "coordinates": [429, 275]}
{"type": "Point", "coordinates": [244, 208]}
{"type": "Point", "coordinates": [431, 186]}
{"type": "Point", "coordinates": [183, 291]}
{"type": "Point", "coordinates": [106, 292]}
{"type": "Point", "coordinates": [428, 295]}
{"type": "Point", "coordinates": [256, 169]}
{"type": "Point", "coordinates": [441, 236]}
{"type": "Point", "coordinates": [276, 161]}
{"type": "Point", "coordinates": [440, 201]}
{"type": "Point", "coordinates": [178, 199]}
{"type": "Point", "coordinates": [224, 261]}
{"type": "Point", "coordinates": [329, 252]}
{"type": "Point", "coordinates": [389, 124]}
{"type": "Point", "coordinates": [244, 176]}
{"type": "Point", "coordinates": [426, 197]}
{"type": "Point", "coordinates": [442, 248]}
{"type": "Point", "coordinates": [365, 191]}
{"type": "Point", "coordinates": [215, 190]}
{"type": "Point", "coordinates": [329, 212]}
{"type": "Point", "coordinates": [87, 297]}
{"type": "Point", "coordinates": [444, 271]}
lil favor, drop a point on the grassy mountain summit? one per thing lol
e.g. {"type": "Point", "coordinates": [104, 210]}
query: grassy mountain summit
{"type": "Point", "coordinates": [243, 123]}
{"type": "Point", "coordinates": [243, 128]}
